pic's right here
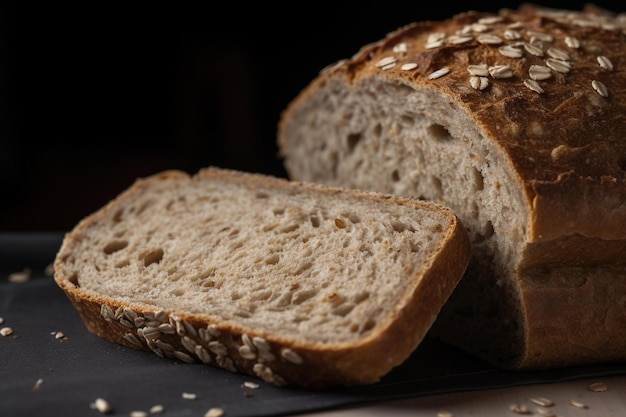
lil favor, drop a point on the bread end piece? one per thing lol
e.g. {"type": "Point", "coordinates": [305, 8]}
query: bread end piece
{"type": "Point", "coordinates": [337, 298]}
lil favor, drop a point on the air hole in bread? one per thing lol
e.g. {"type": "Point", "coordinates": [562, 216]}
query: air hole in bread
{"type": "Point", "coordinates": [74, 280]}
{"type": "Point", "coordinates": [416, 247]}
{"type": "Point", "coordinates": [486, 233]}
{"type": "Point", "coordinates": [378, 130]}
{"type": "Point", "coordinates": [359, 298]}
{"type": "Point", "coordinates": [366, 249]}
{"type": "Point", "coordinates": [144, 207]}
{"type": "Point", "coordinates": [118, 216]}
{"type": "Point", "coordinates": [303, 267]}
{"type": "Point", "coordinates": [488, 229]}
{"type": "Point", "coordinates": [407, 120]}
{"type": "Point", "coordinates": [208, 283]}
{"type": "Point", "coordinates": [272, 259]}
{"type": "Point", "coordinates": [301, 296]}
{"type": "Point", "coordinates": [269, 227]}
{"type": "Point", "coordinates": [203, 275]}
{"type": "Point", "coordinates": [243, 313]}
{"type": "Point", "coordinates": [236, 245]}
{"type": "Point", "coordinates": [343, 310]}
{"type": "Point", "coordinates": [353, 141]}
{"type": "Point", "coordinates": [437, 186]}
{"type": "Point", "coordinates": [122, 264]}
{"type": "Point", "coordinates": [152, 257]}
{"type": "Point", "coordinates": [261, 295]}
{"type": "Point", "coordinates": [178, 292]}
{"type": "Point", "coordinates": [290, 228]}
{"type": "Point", "coordinates": [401, 227]}
{"type": "Point", "coordinates": [261, 195]}
{"type": "Point", "coordinates": [369, 324]}
{"type": "Point", "coordinates": [438, 132]}
{"type": "Point", "coordinates": [114, 246]}
{"type": "Point", "coordinates": [364, 327]}
{"type": "Point", "coordinates": [315, 220]}
{"type": "Point", "coordinates": [479, 181]}
{"type": "Point", "coordinates": [278, 211]}
{"type": "Point", "coordinates": [475, 210]}
{"type": "Point", "coordinates": [354, 218]}
{"type": "Point", "coordinates": [395, 176]}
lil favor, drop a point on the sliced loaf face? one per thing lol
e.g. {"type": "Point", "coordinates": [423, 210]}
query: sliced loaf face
{"type": "Point", "coordinates": [504, 118]}
{"type": "Point", "coordinates": [298, 284]}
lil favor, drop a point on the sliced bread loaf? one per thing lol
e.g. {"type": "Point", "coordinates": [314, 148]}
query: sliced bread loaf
{"type": "Point", "coordinates": [298, 284]}
{"type": "Point", "coordinates": [515, 120]}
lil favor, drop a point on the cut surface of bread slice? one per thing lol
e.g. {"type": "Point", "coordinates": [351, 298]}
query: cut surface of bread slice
{"type": "Point", "coordinates": [516, 121]}
{"type": "Point", "coordinates": [298, 284]}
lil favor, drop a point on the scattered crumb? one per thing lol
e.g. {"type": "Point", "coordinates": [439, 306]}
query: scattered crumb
{"type": "Point", "coordinates": [545, 412]}
{"type": "Point", "coordinates": [101, 405]}
{"type": "Point", "coordinates": [189, 396]}
{"type": "Point", "coordinates": [49, 270]}
{"type": "Point", "coordinates": [59, 335]}
{"type": "Point", "coordinates": [20, 277]}
{"type": "Point", "coordinates": [6, 331]}
{"type": "Point", "coordinates": [138, 414]}
{"type": "Point", "coordinates": [543, 402]}
{"type": "Point", "coordinates": [598, 387]}
{"type": "Point", "coordinates": [37, 384]}
{"type": "Point", "coordinates": [519, 409]}
{"type": "Point", "coordinates": [214, 412]}
{"type": "Point", "coordinates": [577, 404]}
{"type": "Point", "coordinates": [251, 385]}
{"type": "Point", "coordinates": [444, 414]}
{"type": "Point", "coordinates": [157, 409]}
{"type": "Point", "coordinates": [1, 320]}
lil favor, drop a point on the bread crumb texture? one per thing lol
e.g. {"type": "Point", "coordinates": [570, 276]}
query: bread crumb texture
{"type": "Point", "coordinates": [294, 263]}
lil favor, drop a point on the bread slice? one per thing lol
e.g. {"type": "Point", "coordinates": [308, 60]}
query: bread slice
{"type": "Point", "coordinates": [516, 121]}
{"type": "Point", "coordinates": [298, 284]}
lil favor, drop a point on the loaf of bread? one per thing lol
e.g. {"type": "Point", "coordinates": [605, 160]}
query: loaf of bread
{"type": "Point", "coordinates": [517, 121]}
{"type": "Point", "coordinates": [300, 285]}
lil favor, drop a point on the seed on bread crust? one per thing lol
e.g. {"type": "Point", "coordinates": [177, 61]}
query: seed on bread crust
{"type": "Point", "coordinates": [291, 356]}
{"type": "Point", "coordinates": [439, 73]}
{"type": "Point", "coordinates": [605, 62]}
{"type": "Point", "coordinates": [600, 88]}
{"type": "Point", "coordinates": [534, 86]}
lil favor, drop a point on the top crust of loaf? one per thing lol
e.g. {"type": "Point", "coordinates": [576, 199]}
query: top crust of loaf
{"type": "Point", "coordinates": [298, 284]}
{"type": "Point", "coordinates": [548, 87]}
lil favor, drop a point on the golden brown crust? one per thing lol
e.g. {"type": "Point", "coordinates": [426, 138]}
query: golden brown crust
{"type": "Point", "coordinates": [566, 142]}
{"type": "Point", "coordinates": [575, 315]}
{"type": "Point", "coordinates": [273, 357]}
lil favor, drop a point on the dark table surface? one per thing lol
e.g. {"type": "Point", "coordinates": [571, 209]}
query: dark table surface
{"type": "Point", "coordinates": [42, 375]}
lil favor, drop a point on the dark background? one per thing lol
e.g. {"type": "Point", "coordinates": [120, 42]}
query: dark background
{"type": "Point", "coordinates": [93, 96]}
